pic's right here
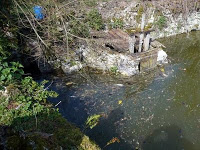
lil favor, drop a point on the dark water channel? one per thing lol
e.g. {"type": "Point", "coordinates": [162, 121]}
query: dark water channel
{"type": "Point", "coordinates": [150, 111]}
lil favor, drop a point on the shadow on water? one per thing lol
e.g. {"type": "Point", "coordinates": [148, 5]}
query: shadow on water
{"type": "Point", "coordinates": [107, 130]}
{"type": "Point", "coordinates": [167, 138]}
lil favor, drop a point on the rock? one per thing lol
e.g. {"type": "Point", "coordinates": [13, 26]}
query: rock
{"type": "Point", "coordinates": [44, 66]}
{"type": "Point", "coordinates": [106, 60]}
{"type": "Point", "coordinates": [157, 44]}
{"type": "Point", "coordinates": [4, 92]}
{"type": "Point", "coordinates": [69, 68]}
{"type": "Point", "coordinates": [162, 57]}
{"type": "Point", "coordinates": [175, 24]}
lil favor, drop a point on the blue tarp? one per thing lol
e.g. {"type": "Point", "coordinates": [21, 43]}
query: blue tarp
{"type": "Point", "coordinates": [38, 11]}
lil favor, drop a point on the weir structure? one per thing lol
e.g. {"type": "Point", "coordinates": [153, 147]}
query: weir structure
{"type": "Point", "coordinates": [138, 44]}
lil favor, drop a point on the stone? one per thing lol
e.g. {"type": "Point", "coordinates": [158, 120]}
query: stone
{"type": "Point", "coordinates": [68, 68]}
{"type": "Point", "coordinates": [105, 60]}
{"type": "Point", "coordinates": [162, 57]}
{"type": "Point", "coordinates": [44, 66]}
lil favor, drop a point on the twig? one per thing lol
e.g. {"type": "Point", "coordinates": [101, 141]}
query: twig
{"type": "Point", "coordinates": [65, 32]}
{"type": "Point", "coordinates": [58, 103]}
{"type": "Point", "coordinates": [48, 86]}
{"type": "Point", "coordinates": [17, 4]}
{"type": "Point", "coordinates": [66, 5]}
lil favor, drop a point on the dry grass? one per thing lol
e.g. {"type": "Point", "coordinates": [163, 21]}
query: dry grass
{"type": "Point", "coordinates": [57, 33]}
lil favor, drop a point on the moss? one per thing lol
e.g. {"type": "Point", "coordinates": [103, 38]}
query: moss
{"type": "Point", "coordinates": [135, 30]}
{"type": "Point", "coordinates": [16, 142]}
{"type": "Point", "coordinates": [13, 142]}
{"type": "Point", "coordinates": [161, 22]}
{"type": "Point", "coordinates": [148, 26]}
{"type": "Point", "coordinates": [87, 144]}
{"type": "Point", "coordinates": [61, 133]}
{"type": "Point", "coordinates": [139, 14]}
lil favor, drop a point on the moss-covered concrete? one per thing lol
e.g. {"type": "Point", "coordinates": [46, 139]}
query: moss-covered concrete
{"type": "Point", "coordinates": [52, 132]}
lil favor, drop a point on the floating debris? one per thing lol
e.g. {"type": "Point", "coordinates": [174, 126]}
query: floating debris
{"type": "Point", "coordinates": [113, 140]}
{"type": "Point", "coordinates": [120, 85]}
{"type": "Point", "coordinates": [120, 102]}
{"type": "Point", "coordinates": [70, 83]}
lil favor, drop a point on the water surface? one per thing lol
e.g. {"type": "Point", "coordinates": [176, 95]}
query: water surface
{"type": "Point", "coordinates": [157, 111]}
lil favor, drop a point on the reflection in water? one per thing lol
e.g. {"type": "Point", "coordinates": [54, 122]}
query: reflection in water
{"type": "Point", "coordinates": [156, 111]}
{"type": "Point", "coordinates": [167, 138]}
{"type": "Point", "coordinates": [107, 129]}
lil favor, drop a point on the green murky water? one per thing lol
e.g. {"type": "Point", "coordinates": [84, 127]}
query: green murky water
{"type": "Point", "coordinates": [157, 111]}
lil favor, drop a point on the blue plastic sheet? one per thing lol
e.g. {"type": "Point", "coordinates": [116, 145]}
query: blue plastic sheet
{"type": "Point", "coordinates": [38, 11]}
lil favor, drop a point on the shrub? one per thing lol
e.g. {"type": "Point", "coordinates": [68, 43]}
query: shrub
{"type": "Point", "coordinates": [10, 72]}
{"type": "Point", "coordinates": [24, 96]}
{"type": "Point", "coordinates": [78, 28]}
{"type": "Point", "coordinates": [94, 19]}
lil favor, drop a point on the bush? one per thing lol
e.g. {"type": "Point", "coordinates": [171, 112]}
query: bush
{"type": "Point", "coordinates": [9, 71]}
{"type": "Point", "coordinates": [94, 19]}
{"type": "Point", "coordinates": [22, 96]}
{"type": "Point", "coordinates": [78, 28]}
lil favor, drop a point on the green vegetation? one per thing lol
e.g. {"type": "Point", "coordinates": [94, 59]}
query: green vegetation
{"type": "Point", "coordinates": [116, 23]}
{"type": "Point", "coordinates": [65, 23]}
{"type": "Point", "coordinates": [92, 121]}
{"type": "Point", "coordinates": [27, 118]}
{"type": "Point", "coordinates": [78, 28]}
{"type": "Point", "coordinates": [114, 70]}
{"type": "Point", "coordinates": [91, 3]}
{"type": "Point", "coordinates": [94, 19]}
{"type": "Point", "coordinates": [9, 71]}
{"type": "Point", "coordinates": [139, 14]}
{"type": "Point", "coordinates": [52, 132]}
{"type": "Point", "coordinates": [25, 111]}
{"type": "Point", "coordinates": [161, 22]}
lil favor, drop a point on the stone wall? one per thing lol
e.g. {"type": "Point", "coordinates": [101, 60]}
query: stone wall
{"type": "Point", "coordinates": [123, 63]}
{"type": "Point", "coordinates": [130, 12]}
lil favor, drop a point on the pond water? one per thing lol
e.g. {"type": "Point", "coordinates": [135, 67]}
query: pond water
{"type": "Point", "coordinates": [151, 111]}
